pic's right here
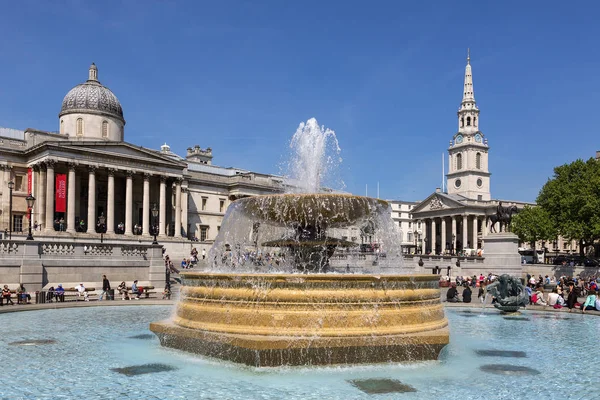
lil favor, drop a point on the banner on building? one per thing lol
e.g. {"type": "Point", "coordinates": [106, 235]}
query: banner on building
{"type": "Point", "coordinates": [29, 181]}
{"type": "Point", "coordinates": [61, 193]}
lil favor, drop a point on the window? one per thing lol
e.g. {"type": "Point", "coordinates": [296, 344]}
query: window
{"type": "Point", "coordinates": [19, 183]}
{"type": "Point", "coordinates": [104, 129]}
{"type": "Point", "coordinates": [409, 237]}
{"type": "Point", "coordinates": [459, 161]}
{"type": "Point", "coordinates": [468, 121]}
{"type": "Point", "coordinates": [204, 200]}
{"type": "Point", "coordinates": [478, 160]}
{"type": "Point", "coordinates": [457, 183]}
{"type": "Point", "coordinates": [221, 205]}
{"type": "Point", "coordinates": [462, 122]}
{"type": "Point", "coordinates": [409, 224]}
{"type": "Point", "coordinates": [203, 233]}
{"type": "Point", "coordinates": [17, 223]}
{"type": "Point", "coordinates": [474, 121]}
{"type": "Point", "coordinates": [419, 225]}
{"type": "Point", "coordinates": [62, 126]}
{"type": "Point", "coordinates": [218, 228]}
{"type": "Point", "coordinates": [79, 126]}
{"type": "Point", "coordinates": [479, 197]}
{"type": "Point", "coordinates": [479, 182]}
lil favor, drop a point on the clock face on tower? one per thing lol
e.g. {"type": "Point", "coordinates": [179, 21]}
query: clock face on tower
{"type": "Point", "coordinates": [459, 139]}
{"type": "Point", "coordinates": [478, 138]}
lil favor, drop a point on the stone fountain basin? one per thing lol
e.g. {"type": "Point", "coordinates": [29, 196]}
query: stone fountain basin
{"type": "Point", "coordinates": [336, 210]}
{"type": "Point", "coordinates": [272, 320]}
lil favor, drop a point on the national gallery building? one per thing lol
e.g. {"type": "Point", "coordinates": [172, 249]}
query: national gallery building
{"type": "Point", "coordinates": [87, 180]}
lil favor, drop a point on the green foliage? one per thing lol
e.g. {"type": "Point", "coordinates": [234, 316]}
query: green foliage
{"type": "Point", "coordinates": [572, 199]}
{"type": "Point", "coordinates": [532, 224]}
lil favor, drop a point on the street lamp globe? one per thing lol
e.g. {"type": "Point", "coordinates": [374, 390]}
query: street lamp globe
{"type": "Point", "coordinates": [154, 217]}
{"type": "Point", "coordinates": [11, 185]}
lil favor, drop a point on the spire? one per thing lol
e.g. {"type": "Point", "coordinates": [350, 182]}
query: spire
{"type": "Point", "coordinates": [93, 73]}
{"type": "Point", "coordinates": [468, 92]}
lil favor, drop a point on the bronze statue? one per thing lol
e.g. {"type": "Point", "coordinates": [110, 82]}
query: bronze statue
{"type": "Point", "coordinates": [509, 292]}
{"type": "Point", "coordinates": [503, 215]}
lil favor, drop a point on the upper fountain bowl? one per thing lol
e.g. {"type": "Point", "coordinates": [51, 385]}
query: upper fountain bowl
{"type": "Point", "coordinates": [333, 210]}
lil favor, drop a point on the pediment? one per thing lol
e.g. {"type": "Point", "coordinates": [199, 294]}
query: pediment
{"type": "Point", "coordinates": [437, 202]}
{"type": "Point", "coordinates": [116, 151]}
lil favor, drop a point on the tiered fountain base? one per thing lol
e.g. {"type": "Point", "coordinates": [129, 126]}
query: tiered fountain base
{"type": "Point", "coordinates": [272, 320]}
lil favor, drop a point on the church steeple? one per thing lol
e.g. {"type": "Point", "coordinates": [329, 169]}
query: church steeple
{"type": "Point", "coordinates": [468, 173]}
{"type": "Point", "coordinates": [468, 113]}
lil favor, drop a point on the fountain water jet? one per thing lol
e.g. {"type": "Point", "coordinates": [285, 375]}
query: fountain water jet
{"type": "Point", "coordinates": [248, 315]}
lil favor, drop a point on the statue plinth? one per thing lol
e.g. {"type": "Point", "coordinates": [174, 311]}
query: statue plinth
{"type": "Point", "coordinates": [501, 252]}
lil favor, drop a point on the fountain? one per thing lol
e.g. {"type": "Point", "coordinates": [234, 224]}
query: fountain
{"type": "Point", "coordinates": [273, 293]}
{"type": "Point", "coordinates": [509, 292]}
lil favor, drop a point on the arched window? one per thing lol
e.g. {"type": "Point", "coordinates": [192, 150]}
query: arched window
{"type": "Point", "coordinates": [474, 121]}
{"type": "Point", "coordinates": [62, 126]}
{"type": "Point", "coordinates": [462, 122]}
{"type": "Point", "coordinates": [104, 129]}
{"type": "Point", "coordinates": [468, 121]}
{"type": "Point", "coordinates": [459, 161]}
{"type": "Point", "coordinates": [79, 126]}
{"type": "Point", "coordinates": [478, 160]}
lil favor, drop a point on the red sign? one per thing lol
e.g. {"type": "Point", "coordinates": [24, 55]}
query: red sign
{"type": "Point", "coordinates": [61, 193]}
{"type": "Point", "coordinates": [29, 183]}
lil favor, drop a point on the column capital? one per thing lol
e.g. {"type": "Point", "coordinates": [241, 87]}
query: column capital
{"type": "Point", "coordinates": [163, 179]}
{"type": "Point", "coordinates": [92, 169]}
{"type": "Point", "coordinates": [178, 180]}
{"type": "Point", "coordinates": [129, 173]}
{"type": "Point", "coordinates": [72, 166]}
{"type": "Point", "coordinates": [184, 189]}
{"type": "Point", "coordinates": [147, 176]}
{"type": "Point", "coordinates": [111, 171]}
{"type": "Point", "coordinates": [50, 163]}
{"type": "Point", "coordinates": [36, 167]}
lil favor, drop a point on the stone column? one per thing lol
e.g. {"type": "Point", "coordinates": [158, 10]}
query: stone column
{"type": "Point", "coordinates": [474, 240]}
{"type": "Point", "coordinates": [41, 196]}
{"type": "Point", "coordinates": [424, 237]}
{"type": "Point", "coordinates": [91, 214]}
{"type": "Point", "coordinates": [433, 236]}
{"type": "Point", "coordinates": [129, 204]}
{"type": "Point", "coordinates": [443, 235]}
{"type": "Point", "coordinates": [465, 231]}
{"type": "Point", "coordinates": [71, 199]}
{"type": "Point", "coordinates": [49, 196]}
{"type": "Point", "coordinates": [177, 233]}
{"type": "Point", "coordinates": [163, 206]}
{"type": "Point", "coordinates": [110, 202]}
{"type": "Point", "coordinates": [35, 184]}
{"type": "Point", "coordinates": [454, 236]}
{"type": "Point", "coordinates": [146, 206]}
{"type": "Point", "coordinates": [184, 210]}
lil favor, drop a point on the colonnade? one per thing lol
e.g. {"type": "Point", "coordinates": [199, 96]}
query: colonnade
{"type": "Point", "coordinates": [464, 229]}
{"type": "Point", "coordinates": [45, 173]}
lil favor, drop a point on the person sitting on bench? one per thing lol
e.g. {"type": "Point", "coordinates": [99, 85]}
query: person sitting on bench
{"type": "Point", "coordinates": [81, 292]}
{"type": "Point", "coordinates": [136, 290]}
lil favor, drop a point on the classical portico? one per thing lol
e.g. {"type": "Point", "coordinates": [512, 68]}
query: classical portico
{"type": "Point", "coordinates": [121, 184]}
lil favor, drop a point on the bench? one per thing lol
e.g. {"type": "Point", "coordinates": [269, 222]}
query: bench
{"type": "Point", "coordinates": [71, 294]}
{"type": "Point", "coordinates": [146, 291]}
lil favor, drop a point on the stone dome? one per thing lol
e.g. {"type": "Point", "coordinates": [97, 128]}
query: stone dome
{"type": "Point", "coordinates": [92, 97]}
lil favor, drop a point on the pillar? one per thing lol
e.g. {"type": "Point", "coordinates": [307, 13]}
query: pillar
{"type": "Point", "coordinates": [91, 214]}
{"type": "Point", "coordinates": [443, 238]}
{"type": "Point", "coordinates": [184, 211]}
{"type": "Point", "coordinates": [41, 196]}
{"type": "Point", "coordinates": [177, 233]}
{"type": "Point", "coordinates": [49, 195]}
{"type": "Point", "coordinates": [71, 199]}
{"type": "Point", "coordinates": [146, 206]}
{"type": "Point", "coordinates": [454, 235]}
{"type": "Point", "coordinates": [424, 237]}
{"type": "Point", "coordinates": [110, 202]}
{"type": "Point", "coordinates": [162, 206]}
{"type": "Point", "coordinates": [465, 231]}
{"type": "Point", "coordinates": [129, 203]}
{"type": "Point", "coordinates": [433, 236]}
{"type": "Point", "coordinates": [474, 239]}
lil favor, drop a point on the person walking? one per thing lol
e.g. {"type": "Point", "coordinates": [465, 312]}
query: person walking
{"type": "Point", "coordinates": [105, 288]}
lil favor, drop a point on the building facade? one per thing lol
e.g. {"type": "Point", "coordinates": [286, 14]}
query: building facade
{"type": "Point", "coordinates": [87, 180]}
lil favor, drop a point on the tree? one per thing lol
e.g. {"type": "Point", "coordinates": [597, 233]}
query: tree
{"type": "Point", "coordinates": [572, 199]}
{"type": "Point", "coordinates": [532, 224]}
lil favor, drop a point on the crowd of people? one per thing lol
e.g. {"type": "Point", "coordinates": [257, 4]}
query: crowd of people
{"type": "Point", "coordinates": [564, 291]}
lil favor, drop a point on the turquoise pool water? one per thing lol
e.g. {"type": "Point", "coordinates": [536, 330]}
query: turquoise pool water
{"type": "Point", "coordinates": [553, 357]}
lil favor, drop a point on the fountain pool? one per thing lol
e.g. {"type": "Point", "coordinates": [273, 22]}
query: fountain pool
{"type": "Point", "coordinates": [540, 355]}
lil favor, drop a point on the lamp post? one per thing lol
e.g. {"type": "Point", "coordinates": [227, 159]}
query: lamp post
{"type": "Point", "coordinates": [101, 226]}
{"type": "Point", "coordinates": [154, 216]}
{"type": "Point", "coordinates": [11, 186]}
{"type": "Point", "coordinates": [30, 202]}
{"type": "Point", "coordinates": [453, 241]}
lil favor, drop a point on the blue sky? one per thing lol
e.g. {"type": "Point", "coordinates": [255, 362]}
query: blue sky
{"type": "Point", "coordinates": [385, 75]}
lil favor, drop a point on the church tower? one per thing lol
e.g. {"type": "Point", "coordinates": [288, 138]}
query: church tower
{"type": "Point", "coordinates": [468, 173]}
